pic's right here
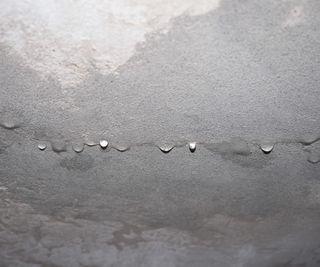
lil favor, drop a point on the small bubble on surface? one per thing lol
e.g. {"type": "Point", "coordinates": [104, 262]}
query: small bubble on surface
{"type": "Point", "coordinates": [192, 146]}
{"type": "Point", "coordinates": [103, 144]}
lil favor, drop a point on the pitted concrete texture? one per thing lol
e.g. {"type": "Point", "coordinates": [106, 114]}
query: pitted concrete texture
{"type": "Point", "coordinates": [239, 78]}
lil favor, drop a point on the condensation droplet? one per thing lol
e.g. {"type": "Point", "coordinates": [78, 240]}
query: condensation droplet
{"type": "Point", "coordinates": [9, 125]}
{"type": "Point", "coordinates": [78, 148]}
{"type": "Point", "coordinates": [42, 146]}
{"type": "Point", "coordinates": [103, 144]}
{"type": "Point", "coordinates": [313, 158]}
{"type": "Point", "coordinates": [91, 143]}
{"type": "Point", "coordinates": [236, 147]}
{"type": "Point", "coordinates": [192, 146]}
{"type": "Point", "coordinates": [122, 148]}
{"type": "Point", "coordinates": [308, 139]}
{"type": "Point", "coordinates": [266, 148]}
{"type": "Point", "coordinates": [166, 148]}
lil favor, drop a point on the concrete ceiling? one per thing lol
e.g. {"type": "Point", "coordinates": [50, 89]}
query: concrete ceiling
{"type": "Point", "coordinates": [240, 78]}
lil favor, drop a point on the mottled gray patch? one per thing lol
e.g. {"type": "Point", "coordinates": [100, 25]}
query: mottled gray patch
{"type": "Point", "coordinates": [128, 235]}
{"type": "Point", "coordinates": [239, 152]}
{"type": "Point", "coordinates": [79, 162]}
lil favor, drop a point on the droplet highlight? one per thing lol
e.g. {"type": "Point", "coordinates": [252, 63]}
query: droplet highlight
{"type": "Point", "coordinates": [266, 148]}
{"type": "Point", "coordinates": [103, 144]}
{"type": "Point", "coordinates": [42, 146]}
{"type": "Point", "coordinates": [192, 146]}
{"type": "Point", "coordinates": [78, 148]}
{"type": "Point", "coordinates": [166, 148]}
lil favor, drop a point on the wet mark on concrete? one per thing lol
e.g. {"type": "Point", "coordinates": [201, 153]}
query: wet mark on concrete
{"type": "Point", "coordinates": [239, 152]}
{"type": "Point", "coordinates": [80, 162]}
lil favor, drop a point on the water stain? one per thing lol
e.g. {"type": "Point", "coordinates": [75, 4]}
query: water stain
{"type": "Point", "coordinates": [80, 162]}
{"type": "Point", "coordinates": [239, 152]}
{"type": "Point", "coordinates": [58, 146]}
{"type": "Point", "coordinates": [236, 146]}
{"type": "Point", "coordinates": [105, 41]}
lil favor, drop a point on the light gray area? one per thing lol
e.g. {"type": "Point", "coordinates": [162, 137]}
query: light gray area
{"type": "Point", "coordinates": [243, 75]}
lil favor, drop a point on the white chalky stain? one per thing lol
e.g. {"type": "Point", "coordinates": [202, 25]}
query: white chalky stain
{"type": "Point", "coordinates": [67, 39]}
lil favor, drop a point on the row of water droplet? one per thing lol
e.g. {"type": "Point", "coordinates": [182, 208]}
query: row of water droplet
{"type": "Point", "coordinates": [104, 144]}
{"type": "Point", "coordinates": [237, 146]}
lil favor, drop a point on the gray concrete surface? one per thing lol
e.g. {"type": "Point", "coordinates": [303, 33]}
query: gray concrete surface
{"type": "Point", "coordinates": [229, 75]}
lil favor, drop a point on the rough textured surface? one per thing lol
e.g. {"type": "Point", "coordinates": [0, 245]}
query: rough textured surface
{"type": "Point", "coordinates": [235, 78]}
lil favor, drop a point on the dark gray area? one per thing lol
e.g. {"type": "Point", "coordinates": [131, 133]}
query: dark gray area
{"type": "Point", "coordinates": [231, 80]}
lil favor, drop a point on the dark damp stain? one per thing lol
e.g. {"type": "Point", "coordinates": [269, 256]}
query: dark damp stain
{"type": "Point", "coordinates": [236, 146]}
{"type": "Point", "coordinates": [59, 146]}
{"type": "Point", "coordinates": [239, 152]}
{"type": "Point", "coordinates": [80, 162]}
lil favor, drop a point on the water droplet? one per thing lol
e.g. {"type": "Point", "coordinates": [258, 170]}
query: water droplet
{"type": "Point", "coordinates": [58, 146]}
{"type": "Point", "coordinates": [122, 148]}
{"type": "Point", "coordinates": [192, 146]}
{"type": "Point", "coordinates": [91, 143]}
{"type": "Point", "coordinates": [103, 144]}
{"type": "Point", "coordinates": [78, 148]}
{"type": "Point", "coordinates": [166, 148]}
{"type": "Point", "coordinates": [266, 148]}
{"type": "Point", "coordinates": [308, 139]}
{"type": "Point", "coordinates": [313, 158]}
{"type": "Point", "coordinates": [9, 125]}
{"type": "Point", "coordinates": [42, 146]}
